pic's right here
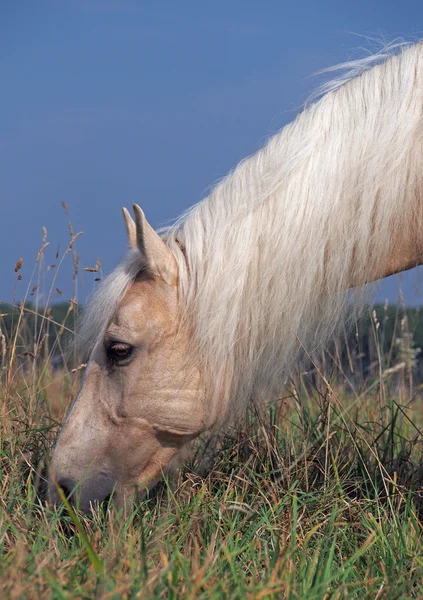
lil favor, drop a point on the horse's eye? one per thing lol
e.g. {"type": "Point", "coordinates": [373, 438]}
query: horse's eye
{"type": "Point", "coordinates": [118, 352]}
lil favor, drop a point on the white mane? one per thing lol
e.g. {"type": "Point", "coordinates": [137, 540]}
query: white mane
{"type": "Point", "coordinates": [271, 253]}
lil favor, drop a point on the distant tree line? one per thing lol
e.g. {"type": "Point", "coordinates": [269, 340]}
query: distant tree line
{"type": "Point", "coordinates": [38, 331]}
{"type": "Point", "coordinates": [387, 334]}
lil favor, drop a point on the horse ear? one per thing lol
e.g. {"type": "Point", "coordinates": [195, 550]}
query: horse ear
{"type": "Point", "coordinates": [130, 228]}
{"type": "Point", "coordinates": [157, 257]}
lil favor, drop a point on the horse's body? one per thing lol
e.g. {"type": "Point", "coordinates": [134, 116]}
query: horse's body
{"type": "Point", "coordinates": [193, 325]}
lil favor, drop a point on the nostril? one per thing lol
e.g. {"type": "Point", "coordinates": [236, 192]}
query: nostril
{"type": "Point", "coordinates": [106, 501]}
{"type": "Point", "coordinates": [67, 487]}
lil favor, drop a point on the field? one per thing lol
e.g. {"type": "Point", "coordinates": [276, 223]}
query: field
{"type": "Point", "coordinates": [318, 496]}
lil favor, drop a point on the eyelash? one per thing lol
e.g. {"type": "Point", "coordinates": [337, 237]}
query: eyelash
{"type": "Point", "coordinates": [116, 359]}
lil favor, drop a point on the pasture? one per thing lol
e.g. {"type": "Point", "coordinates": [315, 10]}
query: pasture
{"type": "Point", "coordinates": [317, 497]}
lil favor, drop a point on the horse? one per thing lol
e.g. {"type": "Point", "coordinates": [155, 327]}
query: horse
{"type": "Point", "coordinates": [217, 309]}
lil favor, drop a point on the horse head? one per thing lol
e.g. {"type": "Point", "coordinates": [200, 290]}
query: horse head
{"type": "Point", "coordinates": [140, 400]}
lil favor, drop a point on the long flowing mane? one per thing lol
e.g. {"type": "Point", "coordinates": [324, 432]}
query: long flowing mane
{"type": "Point", "coordinates": [269, 256]}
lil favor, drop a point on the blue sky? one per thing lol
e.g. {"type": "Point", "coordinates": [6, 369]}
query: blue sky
{"type": "Point", "coordinates": [106, 103]}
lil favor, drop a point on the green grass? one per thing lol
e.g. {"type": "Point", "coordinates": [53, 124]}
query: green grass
{"type": "Point", "coordinates": [320, 496]}
{"type": "Point", "coordinates": [310, 503]}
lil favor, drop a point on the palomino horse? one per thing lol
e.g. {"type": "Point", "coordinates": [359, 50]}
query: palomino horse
{"type": "Point", "coordinates": [193, 324]}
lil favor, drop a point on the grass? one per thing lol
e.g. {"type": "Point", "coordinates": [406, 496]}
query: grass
{"type": "Point", "coordinates": [317, 497]}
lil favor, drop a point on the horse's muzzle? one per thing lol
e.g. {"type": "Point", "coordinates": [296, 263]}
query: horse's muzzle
{"type": "Point", "coordinates": [84, 495]}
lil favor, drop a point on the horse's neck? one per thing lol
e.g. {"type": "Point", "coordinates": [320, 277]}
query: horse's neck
{"type": "Point", "coordinates": [379, 117]}
{"type": "Point", "coordinates": [407, 253]}
{"type": "Point", "coordinates": [332, 202]}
